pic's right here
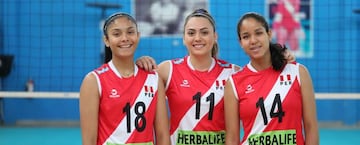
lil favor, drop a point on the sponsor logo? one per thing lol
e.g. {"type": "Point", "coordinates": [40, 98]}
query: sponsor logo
{"type": "Point", "coordinates": [200, 138]}
{"type": "Point", "coordinates": [114, 94]}
{"type": "Point", "coordinates": [185, 83]}
{"type": "Point", "coordinates": [280, 137]}
{"type": "Point", "coordinates": [249, 89]}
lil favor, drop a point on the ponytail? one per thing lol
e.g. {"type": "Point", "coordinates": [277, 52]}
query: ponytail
{"type": "Point", "coordinates": [277, 56]}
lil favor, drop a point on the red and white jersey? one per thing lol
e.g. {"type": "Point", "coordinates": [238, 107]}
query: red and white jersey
{"type": "Point", "coordinates": [127, 106]}
{"type": "Point", "coordinates": [196, 102]}
{"type": "Point", "coordinates": [270, 105]}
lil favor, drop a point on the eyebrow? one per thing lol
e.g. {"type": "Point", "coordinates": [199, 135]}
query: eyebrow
{"type": "Point", "coordinates": [204, 28]}
{"type": "Point", "coordinates": [128, 28]}
{"type": "Point", "coordinates": [256, 30]}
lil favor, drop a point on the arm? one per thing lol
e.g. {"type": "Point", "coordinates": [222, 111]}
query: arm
{"type": "Point", "coordinates": [147, 63]}
{"type": "Point", "coordinates": [164, 71]}
{"type": "Point", "coordinates": [309, 108]}
{"type": "Point", "coordinates": [162, 131]}
{"type": "Point", "coordinates": [232, 120]}
{"type": "Point", "coordinates": [89, 108]}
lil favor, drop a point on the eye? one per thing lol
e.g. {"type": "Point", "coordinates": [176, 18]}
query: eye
{"type": "Point", "coordinates": [131, 31]}
{"type": "Point", "coordinates": [190, 33]}
{"type": "Point", "coordinates": [115, 34]}
{"type": "Point", "coordinates": [204, 32]}
{"type": "Point", "coordinates": [245, 37]}
{"type": "Point", "coordinates": [259, 33]}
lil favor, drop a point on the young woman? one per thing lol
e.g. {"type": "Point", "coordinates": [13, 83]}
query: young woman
{"type": "Point", "coordinates": [273, 99]}
{"type": "Point", "coordinates": [119, 103]}
{"type": "Point", "coordinates": [195, 83]}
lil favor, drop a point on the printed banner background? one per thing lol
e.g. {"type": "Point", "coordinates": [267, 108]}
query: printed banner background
{"type": "Point", "coordinates": [282, 13]}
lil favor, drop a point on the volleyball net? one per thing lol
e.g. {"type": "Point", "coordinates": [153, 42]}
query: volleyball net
{"type": "Point", "coordinates": [75, 95]}
{"type": "Point", "coordinates": [327, 105]}
{"type": "Point", "coordinates": [56, 43]}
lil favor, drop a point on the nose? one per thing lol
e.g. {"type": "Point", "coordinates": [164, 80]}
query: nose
{"type": "Point", "coordinates": [197, 37]}
{"type": "Point", "coordinates": [253, 39]}
{"type": "Point", "coordinates": [124, 37]}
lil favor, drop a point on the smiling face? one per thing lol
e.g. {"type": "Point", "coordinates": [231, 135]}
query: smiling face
{"type": "Point", "coordinates": [199, 36]}
{"type": "Point", "coordinates": [254, 39]}
{"type": "Point", "coordinates": [122, 37]}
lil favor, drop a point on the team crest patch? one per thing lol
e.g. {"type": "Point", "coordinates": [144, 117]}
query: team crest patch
{"type": "Point", "coordinates": [285, 79]}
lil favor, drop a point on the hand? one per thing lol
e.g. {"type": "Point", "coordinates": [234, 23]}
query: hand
{"type": "Point", "coordinates": [289, 56]}
{"type": "Point", "coordinates": [147, 63]}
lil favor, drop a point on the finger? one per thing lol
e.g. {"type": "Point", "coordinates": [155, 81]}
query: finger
{"type": "Point", "coordinates": [139, 63]}
{"type": "Point", "coordinates": [147, 65]}
{"type": "Point", "coordinates": [153, 64]}
{"type": "Point", "coordinates": [150, 63]}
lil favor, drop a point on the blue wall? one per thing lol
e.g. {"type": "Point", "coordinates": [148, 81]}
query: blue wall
{"type": "Point", "coordinates": [57, 42]}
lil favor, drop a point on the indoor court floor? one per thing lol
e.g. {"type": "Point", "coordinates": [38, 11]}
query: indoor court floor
{"type": "Point", "coordinates": [72, 136]}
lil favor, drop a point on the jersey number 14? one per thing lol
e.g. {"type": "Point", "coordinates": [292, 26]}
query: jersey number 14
{"type": "Point", "coordinates": [273, 113]}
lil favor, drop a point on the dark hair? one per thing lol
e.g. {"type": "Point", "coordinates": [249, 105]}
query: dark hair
{"type": "Point", "coordinates": [108, 21]}
{"type": "Point", "coordinates": [205, 14]}
{"type": "Point", "coordinates": [276, 50]}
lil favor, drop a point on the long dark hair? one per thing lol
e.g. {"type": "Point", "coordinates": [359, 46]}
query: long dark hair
{"type": "Point", "coordinates": [276, 50]}
{"type": "Point", "coordinates": [108, 21]}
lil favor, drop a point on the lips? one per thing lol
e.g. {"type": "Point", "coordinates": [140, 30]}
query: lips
{"type": "Point", "coordinates": [198, 45]}
{"type": "Point", "coordinates": [126, 46]}
{"type": "Point", "coordinates": [257, 48]}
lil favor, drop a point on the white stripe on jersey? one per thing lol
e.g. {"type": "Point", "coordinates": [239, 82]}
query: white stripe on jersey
{"type": "Point", "coordinates": [117, 136]}
{"type": "Point", "coordinates": [277, 89]}
{"type": "Point", "coordinates": [188, 123]}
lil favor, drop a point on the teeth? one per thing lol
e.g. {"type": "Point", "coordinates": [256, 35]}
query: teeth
{"type": "Point", "coordinates": [254, 48]}
{"type": "Point", "coordinates": [198, 46]}
{"type": "Point", "coordinates": [125, 46]}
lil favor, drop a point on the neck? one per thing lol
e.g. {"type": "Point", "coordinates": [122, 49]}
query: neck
{"type": "Point", "coordinates": [261, 63]}
{"type": "Point", "coordinates": [125, 67]}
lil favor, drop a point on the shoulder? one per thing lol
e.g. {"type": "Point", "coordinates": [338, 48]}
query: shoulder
{"type": "Point", "coordinates": [164, 69]}
{"type": "Point", "coordinates": [102, 69]}
{"type": "Point", "coordinates": [303, 70]}
{"type": "Point", "coordinates": [178, 60]}
{"type": "Point", "coordinates": [89, 81]}
{"type": "Point", "coordinates": [91, 76]}
{"type": "Point", "coordinates": [165, 64]}
{"type": "Point", "coordinates": [299, 69]}
{"type": "Point", "coordinates": [224, 63]}
{"type": "Point", "coordinates": [175, 61]}
{"type": "Point", "coordinates": [240, 72]}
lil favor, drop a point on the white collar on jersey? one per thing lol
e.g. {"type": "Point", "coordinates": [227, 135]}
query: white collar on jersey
{"type": "Point", "coordinates": [113, 68]}
{"type": "Point", "coordinates": [192, 67]}
{"type": "Point", "coordinates": [251, 67]}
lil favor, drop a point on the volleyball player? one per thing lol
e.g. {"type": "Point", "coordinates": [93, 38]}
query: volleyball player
{"type": "Point", "coordinates": [273, 99]}
{"type": "Point", "coordinates": [195, 83]}
{"type": "Point", "coordinates": [120, 103]}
